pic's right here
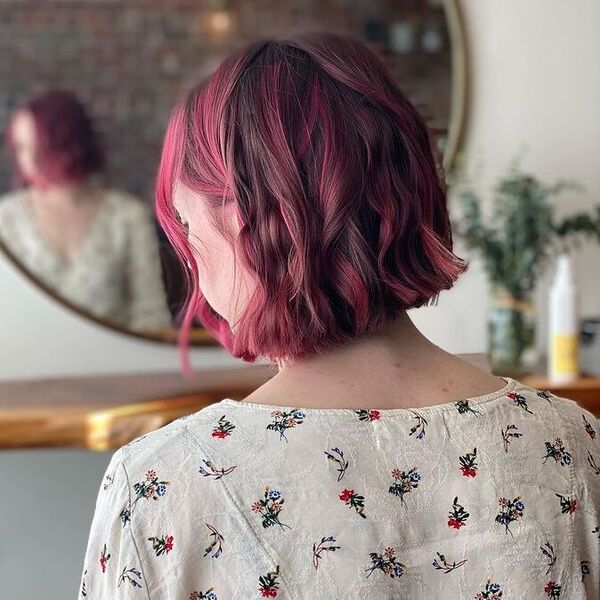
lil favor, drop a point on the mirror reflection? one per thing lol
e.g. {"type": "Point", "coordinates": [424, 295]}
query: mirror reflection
{"type": "Point", "coordinates": [84, 106]}
{"type": "Point", "coordinates": [93, 244]}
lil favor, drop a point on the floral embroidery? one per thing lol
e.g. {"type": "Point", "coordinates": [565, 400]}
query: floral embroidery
{"type": "Point", "coordinates": [104, 559]}
{"type": "Point", "coordinates": [322, 547]}
{"type": "Point", "coordinates": [567, 505]}
{"type": "Point", "coordinates": [589, 429]}
{"type": "Point", "coordinates": [558, 452]}
{"type": "Point", "coordinates": [339, 459]}
{"type": "Point", "coordinates": [270, 507]}
{"type": "Point", "coordinates": [132, 576]}
{"type": "Point", "coordinates": [386, 556]}
{"type": "Point", "coordinates": [468, 466]}
{"type": "Point", "coordinates": [519, 400]}
{"type": "Point", "coordinates": [458, 515]}
{"type": "Point", "coordinates": [511, 431]}
{"type": "Point", "coordinates": [463, 407]}
{"type": "Point", "coordinates": [216, 542]}
{"type": "Point", "coordinates": [405, 482]}
{"type": "Point", "coordinates": [268, 584]}
{"type": "Point", "coordinates": [351, 498]}
{"type": "Point", "coordinates": [162, 545]}
{"type": "Point", "coordinates": [108, 481]}
{"type": "Point", "coordinates": [212, 471]}
{"type": "Point", "coordinates": [548, 551]}
{"type": "Point", "coordinates": [285, 420]}
{"type": "Point", "coordinates": [491, 591]}
{"type": "Point", "coordinates": [441, 564]}
{"type": "Point", "coordinates": [386, 562]}
{"type": "Point", "coordinates": [510, 511]}
{"type": "Point", "coordinates": [552, 590]}
{"type": "Point", "coordinates": [545, 394]}
{"type": "Point", "coordinates": [223, 429]}
{"type": "Point", "coordinates": [152, 488]}
{"type": "Point", "coordinates": [208, 595]}
{"type": "Point", "coordinates": [592, 462]}
{"type": "Point", "coordinates": [367, 415]}
{"type": "Point", "coordinates": [419, 425]}
{"type": "Point", "coordinates": [83, 588]}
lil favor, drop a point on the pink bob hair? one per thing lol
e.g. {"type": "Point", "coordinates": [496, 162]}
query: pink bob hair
{"type": "Point", "coordinates": [331, 172]}
{"type": "Point", "coordinates": [67, 148]}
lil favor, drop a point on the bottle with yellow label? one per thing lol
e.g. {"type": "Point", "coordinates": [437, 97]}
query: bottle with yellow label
{"type": "Point", "coordinates": [563, 334]}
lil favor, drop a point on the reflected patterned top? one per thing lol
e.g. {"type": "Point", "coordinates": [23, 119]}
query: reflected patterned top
{"type": "Point", "coordinates": [491, 497]}
{"type": "Point", "coordinates": [116, 274]}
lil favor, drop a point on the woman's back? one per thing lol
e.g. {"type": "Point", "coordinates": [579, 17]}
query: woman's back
{"type": "Point", "coordinates": [495, 496]}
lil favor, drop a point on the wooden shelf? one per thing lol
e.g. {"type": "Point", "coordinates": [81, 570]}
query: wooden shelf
{"type": "Point", "coordinates": [103, 413]}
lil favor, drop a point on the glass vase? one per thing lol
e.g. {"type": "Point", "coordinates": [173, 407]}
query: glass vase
{"type": "Point", "coordinates": [511, 333]}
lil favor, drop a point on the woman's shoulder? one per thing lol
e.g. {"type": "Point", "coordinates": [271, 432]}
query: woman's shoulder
{"type": "Point", "coordinates": [572, 412]}
{"type": "Point", "coordinates": [124, 202]}
{"type": "Point", "coordinates": [165, 443]}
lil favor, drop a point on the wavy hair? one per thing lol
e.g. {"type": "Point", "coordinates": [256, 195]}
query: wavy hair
{"type": "Point", "coordinates": [333, 178]}
{"type": "Point", "coordinates": [67, 146]}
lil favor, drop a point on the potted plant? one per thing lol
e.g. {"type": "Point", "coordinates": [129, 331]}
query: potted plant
{"type": "Point", "coordinates": [518, 241]}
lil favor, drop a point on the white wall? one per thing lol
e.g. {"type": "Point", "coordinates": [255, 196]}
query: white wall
{"type": "Point", "coordinates": [534, 80]}
{"type": "Point", "coordinates": [535, 91]}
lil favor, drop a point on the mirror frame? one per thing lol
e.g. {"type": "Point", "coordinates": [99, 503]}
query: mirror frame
{"type": "Point", "coordinates": [200, 336]}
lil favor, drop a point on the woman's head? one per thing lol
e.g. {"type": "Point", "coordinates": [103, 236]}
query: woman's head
{"type": "Point", "coordinates": [314, 206]}
{"type": "Point", "coordinates": [53, 141]}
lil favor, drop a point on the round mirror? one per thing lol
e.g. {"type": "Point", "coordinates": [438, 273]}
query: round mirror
{"type": "Point", "coordinates": [86, 96]}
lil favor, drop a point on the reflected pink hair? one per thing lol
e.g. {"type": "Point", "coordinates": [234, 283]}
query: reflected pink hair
{"type": "Point", "coordinates": [333, 179]}
{"type": "Point", "coordinates": [67, 148]}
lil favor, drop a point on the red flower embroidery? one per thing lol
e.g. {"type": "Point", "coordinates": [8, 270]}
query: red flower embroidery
{"type": "Point", "coordinates": [269, 584]}
{"type": "Point", "coordinates": [455, 523]}
{"type": "Point", "coordinates": [346, 495]}
{"type": "Point", "coordinates": [223, 429]}
{"type": "Point", "coordinates": [458, 515]}
{"type": "Point", "coordinates": [104, 556]}
{"type": "Point", "coordinates": [352, 499]}
{"type": "Point", "coordinates": [365, 414]}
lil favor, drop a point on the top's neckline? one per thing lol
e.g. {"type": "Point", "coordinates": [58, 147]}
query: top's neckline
{"type": "Point", "coordinates": [451, 405]}
{"type": "Point", "coordinates": [46, 244]}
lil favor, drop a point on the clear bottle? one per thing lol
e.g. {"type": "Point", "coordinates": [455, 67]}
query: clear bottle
{"type": "Point", "coordinates": [563, 333]}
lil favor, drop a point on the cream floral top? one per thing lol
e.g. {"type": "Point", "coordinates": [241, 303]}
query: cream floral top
{"type": "Point", "coordinates": [491, 497]}
{"type": "Point", "coordinates": [116, 274]}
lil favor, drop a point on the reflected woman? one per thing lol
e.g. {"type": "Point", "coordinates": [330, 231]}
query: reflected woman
{"type": "Point", "coordinates": [95, 246]}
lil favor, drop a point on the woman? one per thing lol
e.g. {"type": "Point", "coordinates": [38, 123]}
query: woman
{"type": "Point", "coordinates": [95, 246]}
{"type": "Point", "coordinates": [374, 463]}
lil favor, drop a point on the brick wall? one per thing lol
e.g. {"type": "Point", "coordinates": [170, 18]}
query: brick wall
{"type": "Point", "coordinates": [129, 60]}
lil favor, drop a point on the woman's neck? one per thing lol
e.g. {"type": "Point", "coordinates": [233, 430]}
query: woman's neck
{"type": "Point", "coordinates": [394, 368]}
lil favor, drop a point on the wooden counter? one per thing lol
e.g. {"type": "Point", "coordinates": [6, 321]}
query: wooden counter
{"type": "Point", "coordinates": [103, 413]}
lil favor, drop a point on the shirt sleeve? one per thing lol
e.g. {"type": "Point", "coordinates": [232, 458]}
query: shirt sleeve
{"type": "Point", "coordinates": [148, 309]}
{"type": "Point", "coordinates": [112, 568]}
